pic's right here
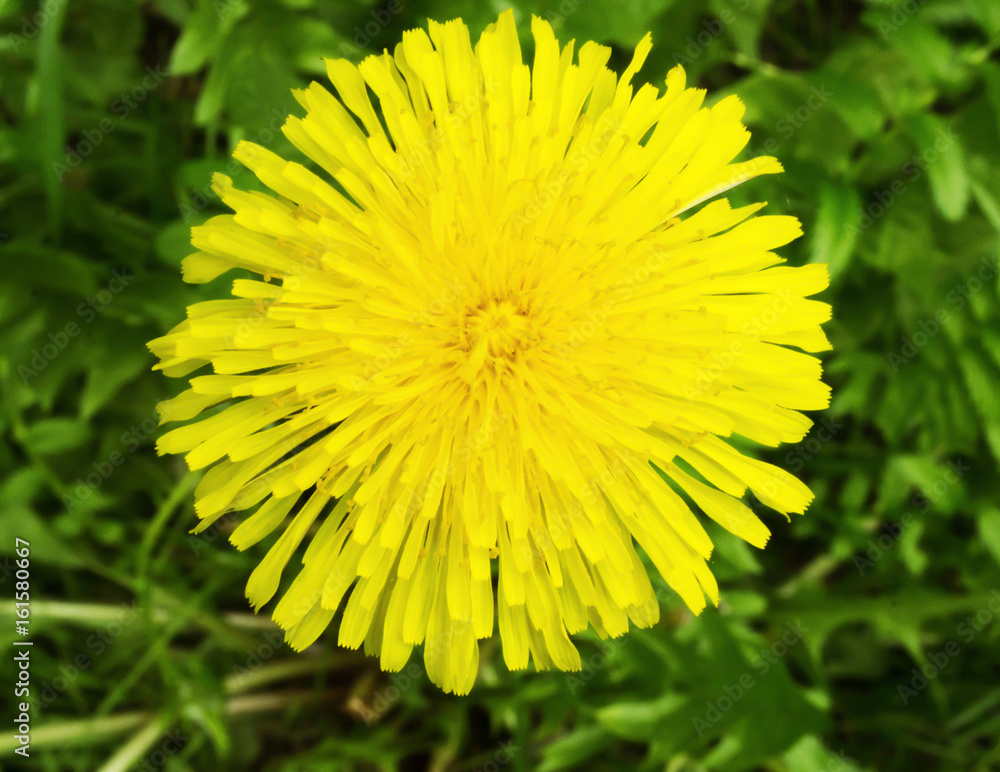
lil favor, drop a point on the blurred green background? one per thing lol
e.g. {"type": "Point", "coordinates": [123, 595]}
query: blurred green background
{"type": "Point", "coordinates": [863, 638]}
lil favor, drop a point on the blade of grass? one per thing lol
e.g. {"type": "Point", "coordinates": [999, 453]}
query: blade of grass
{"type": "Point", "coordinates": [133, 750]}
{"type": "Point", "coordinates": [51, 112]}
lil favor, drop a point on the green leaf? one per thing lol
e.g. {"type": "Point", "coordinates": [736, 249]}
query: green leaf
{"type": "Point", "coordinates": [55, 435]}
{"type": "Point", "coordinates": [745, 22]}
{"type": "Point", "coordinates": [914, 558]}
{"type": "Point", "coordinates": [836, 230]}
{"type": "Point", "coordinates": [987, 13]}
{"type": "Point", "coordinates": [173, 243]}
{"type": "Point", "coordinates": [745, 603]}
{"type": "Point", "coordinates": [317, 40]}
{"type": "Point", "coordinates": [639, 721]}
{"type": "Point", "coordinates": [898, 226]}
{"type": "Point", "coordinates": [737, 552]}
{"type": "Point", "coordinates": [937, 482]}
{"type": "Point", "coordinates": [52, 269]}
{"type": "Point", "coordinates": [583, 20]}
{"type": "Point", "coordinates": [940, 152]}
{"type": "Point", "coordinates": [987, 204]}
{"type": "Point", "coordinates": [114, 363]}
{"type": "Point", "coordinates": [991, 75]}
{"type": "Point", "coordinates": [886, 72]}
{"type": "Point", "coordinates": [51, 129]}
{"type": "Point", "coordinates": [203, 32]}
{"type": "Point", "coordinates": [854, 101]}
{"type": "Point", "coordinates": [754, 690]}
{"type": "Point", "coordinates": [989, 530]}
{"type": "Point", "coordinates": [981, 378]}
{"type": "Point", "coordinates": [572, 750]}
{"type": "Point", "coordinates": [810, 755]}
{"type": "Point", "coordinates": [929, 53]}
{"type": "Point", "coordinates": [21, 521]}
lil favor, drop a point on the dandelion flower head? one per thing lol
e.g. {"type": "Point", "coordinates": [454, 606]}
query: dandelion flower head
{"type": "Point", "coordinates": [494, 344]}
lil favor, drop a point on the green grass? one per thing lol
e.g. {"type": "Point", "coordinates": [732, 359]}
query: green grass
{"type": "Point", "coordinates": [886, 115]}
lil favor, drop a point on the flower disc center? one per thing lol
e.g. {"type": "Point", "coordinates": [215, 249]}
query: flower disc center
{"type": "Point", "coordinates": [498, 329]}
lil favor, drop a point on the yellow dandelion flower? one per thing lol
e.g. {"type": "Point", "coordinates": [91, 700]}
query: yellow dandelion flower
{"type": "Point", "coordinates": [491, 345]}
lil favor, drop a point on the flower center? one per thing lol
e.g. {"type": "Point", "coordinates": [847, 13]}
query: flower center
{"type": "Point", "coordinates": [497, 329]}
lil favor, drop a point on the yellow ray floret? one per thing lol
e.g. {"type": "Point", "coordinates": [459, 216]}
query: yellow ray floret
{"type": "Point", "coordinates": [492, 352]}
